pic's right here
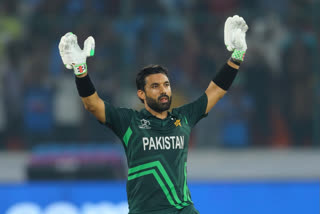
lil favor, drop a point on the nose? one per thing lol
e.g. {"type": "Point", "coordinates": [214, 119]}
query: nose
{"type": "Point", "coordinates": [163, 89]}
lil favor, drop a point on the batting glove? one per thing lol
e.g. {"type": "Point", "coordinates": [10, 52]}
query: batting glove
{"type": "Point", "coordinates": [72, 55]}
{"type": "Point", "coordinates": [235, 29]}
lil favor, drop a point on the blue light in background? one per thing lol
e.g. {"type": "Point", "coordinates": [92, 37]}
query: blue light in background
{"type": "Point", "coordinates": [243, 197]}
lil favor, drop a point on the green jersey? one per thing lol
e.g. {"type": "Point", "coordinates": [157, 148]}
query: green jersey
{"type": "Point", "coordinates": [156, 151]}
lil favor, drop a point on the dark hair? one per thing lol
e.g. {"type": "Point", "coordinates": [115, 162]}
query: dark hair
{"type": "Point", "coordinates": [146, 71]}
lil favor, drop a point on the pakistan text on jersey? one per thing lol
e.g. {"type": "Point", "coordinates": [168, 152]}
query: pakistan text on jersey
{"type": "Point", "coordinates": [163, 143]}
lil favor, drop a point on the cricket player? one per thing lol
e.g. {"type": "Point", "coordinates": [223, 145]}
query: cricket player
{"type": "Point", "coordinates": [156, 140]}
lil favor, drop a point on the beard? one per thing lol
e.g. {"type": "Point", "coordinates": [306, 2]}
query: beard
{"type": "Point", "coordinates": [156, 105]}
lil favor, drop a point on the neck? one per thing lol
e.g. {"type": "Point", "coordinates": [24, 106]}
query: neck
{"type": "Point", "coordinates": [160, 115]}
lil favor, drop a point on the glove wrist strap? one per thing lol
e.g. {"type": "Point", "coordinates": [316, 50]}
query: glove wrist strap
{"type": "Point", "coordinates": [238, 55]}
{"type": "Point", "coordinates": [80, 69]}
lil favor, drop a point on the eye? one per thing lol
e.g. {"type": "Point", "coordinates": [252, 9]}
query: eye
{"type": "Point", "coordinates": [167, 84]}
{"type": "Point", "coordinates": [154, 86]}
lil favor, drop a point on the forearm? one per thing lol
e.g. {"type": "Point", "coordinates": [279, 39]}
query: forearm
{"type": "Point", "coordinates": [87, 92]}
{"type": "Point", "coordinates": [233, 64]}
{"type": "Point", "coordinates": [92, 102]}
{"type": "Point", "coordinates": [226, 75]}
{"type": "Point", "coordinates": [214, 94]}
{"type": "Point", "coordinates": [89, 101]}
{"type": "Point", "coordinates": [75, 58]}
{"type": "Point", "coordinates": [90, 98]}
{"type": "Point", "coordinates": [221, 83]}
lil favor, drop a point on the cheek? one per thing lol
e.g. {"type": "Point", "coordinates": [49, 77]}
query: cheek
{"type": "Point", "coordinates": [169, 91]}
{"type": "Point", "coordinates": [152, 93]}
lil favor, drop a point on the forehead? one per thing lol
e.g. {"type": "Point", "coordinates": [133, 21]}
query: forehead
{"type": "Point", "coordinates": [156, 78]}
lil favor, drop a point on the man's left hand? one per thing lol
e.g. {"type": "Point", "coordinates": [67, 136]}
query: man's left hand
{"type": "Point", "coordinates": [235, 29]}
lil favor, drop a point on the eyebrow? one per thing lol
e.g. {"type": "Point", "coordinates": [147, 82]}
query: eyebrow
{"type": "Point", "coordinates": [156, 83]}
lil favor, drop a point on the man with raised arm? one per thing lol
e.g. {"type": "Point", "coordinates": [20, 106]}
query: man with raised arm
{"type": "Point", "coordinates": [156, 140]}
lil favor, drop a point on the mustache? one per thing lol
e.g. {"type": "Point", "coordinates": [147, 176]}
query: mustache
{"type": "Point", "coordinates": [162, 96]}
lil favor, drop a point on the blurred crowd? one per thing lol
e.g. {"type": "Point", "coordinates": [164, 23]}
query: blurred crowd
{"type": "Point", "coordinates": [274, 102]}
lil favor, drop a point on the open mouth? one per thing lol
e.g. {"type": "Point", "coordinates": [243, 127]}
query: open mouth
{"type": "Point", "coordinates": [164, 99]}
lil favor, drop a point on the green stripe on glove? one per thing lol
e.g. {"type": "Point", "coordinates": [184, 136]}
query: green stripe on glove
{"type": "Point", "coordinates": [238, 55]}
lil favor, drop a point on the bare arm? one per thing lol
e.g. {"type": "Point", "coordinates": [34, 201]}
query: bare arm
{"type": "Point", "coordinates": [94, 104]}
{"type": "Point", "coordinates": [74, 57]}
{"type": "Point", "coordinates": [235, 29]}
{"type": "Point", "coordinates": [214, 92]}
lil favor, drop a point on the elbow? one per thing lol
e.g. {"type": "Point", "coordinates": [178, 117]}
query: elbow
{"type": "Point", "coordinates": [221, 95]}
{"type": "Point", "coordinates": [90, 108]}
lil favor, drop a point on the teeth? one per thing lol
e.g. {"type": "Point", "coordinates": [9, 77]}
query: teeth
{"type": "Point", "coordinates": [163, 99]}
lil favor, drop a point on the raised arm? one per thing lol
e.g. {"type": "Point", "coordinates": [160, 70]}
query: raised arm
{"type": "Point", "coordinates": [92, 103]}
{"type": "Point", "coordinates": [235, 40]}
{"type": "Point", "coordinates": [75, 58]}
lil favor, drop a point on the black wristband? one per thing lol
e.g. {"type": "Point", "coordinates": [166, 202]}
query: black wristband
{"type": "Point", "coordinates": [225, 77]}
{"type": "Point", "coordinates": [85, 86]}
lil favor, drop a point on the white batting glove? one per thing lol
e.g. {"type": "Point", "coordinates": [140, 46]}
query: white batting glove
{"type": "Point", "coordinates": [72, 55]}
{"type": "Point", "coordinates": [235, 29]}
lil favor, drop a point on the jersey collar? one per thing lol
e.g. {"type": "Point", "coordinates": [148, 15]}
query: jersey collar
{"type": "Point", "coordinates": [147, 114]}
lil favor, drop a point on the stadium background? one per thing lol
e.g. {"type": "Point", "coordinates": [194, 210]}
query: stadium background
{"type": "Point", "coordinates": [256, 152]}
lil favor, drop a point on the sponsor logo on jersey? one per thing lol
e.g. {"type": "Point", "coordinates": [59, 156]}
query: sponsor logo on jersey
{"type": "Point", "coordinates": [145, 124]}
{"type": "Point", "coordinates": [177, 123]}
{"type": "Point", "coordinates": [163, 143]}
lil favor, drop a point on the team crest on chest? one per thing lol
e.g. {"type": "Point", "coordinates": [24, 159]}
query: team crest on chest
{"type": "Point", "coordinates": [177, 123]}
{"type": "Point", "coordinates": [145, 124]}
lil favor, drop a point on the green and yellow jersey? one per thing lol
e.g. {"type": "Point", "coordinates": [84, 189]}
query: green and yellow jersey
{"type": "Point", "coordinates": [156, 151]}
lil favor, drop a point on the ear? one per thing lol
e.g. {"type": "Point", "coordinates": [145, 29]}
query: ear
{"type": "Point", "coordinates": [141, 94]}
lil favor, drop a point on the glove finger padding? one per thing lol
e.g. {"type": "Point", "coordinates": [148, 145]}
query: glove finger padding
{"type": "Point", "coordinates": [234, 33]}
{"type": "Point", "coordinates": [227, 34]}
{"type": "Point", "coordinates": [70, 38]}
{"type": "Point", "coordinates": [243, 25]}
{"type": "Point", "coordinates": [62, 45]}
{"type": "Point", "coordinates": [238, 40]}
{"type": "Point", "coordinates": [72, 55]}
{"type": "Point", "coordinates": [72, 44]}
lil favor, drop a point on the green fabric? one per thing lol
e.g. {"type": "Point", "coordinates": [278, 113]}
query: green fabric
{"type": "Point", "coordinates": [127, 136]}
{"type": "Point", "coordinates": [161, 184]}
{"type": "Point", "coordinates": [167, 179]}
{"type": "Point", "coordinates": [156, 153]}
{"type": "Point", "coordinates": [185, 188]}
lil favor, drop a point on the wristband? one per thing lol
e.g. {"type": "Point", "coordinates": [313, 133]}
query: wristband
{"type": "Point", "coordinates": [225, 77]}
{"type": "Point", "coordinates": [85, 86]}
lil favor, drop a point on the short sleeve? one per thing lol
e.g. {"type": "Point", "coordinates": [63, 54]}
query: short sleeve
{"type": "Point", "coordinates": [195, 110]}
{"type": "Point", "coordinates": [118, 119]}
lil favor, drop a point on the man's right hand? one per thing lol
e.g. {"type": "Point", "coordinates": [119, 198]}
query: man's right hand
{"type": "Point", "coordinates": [72, 55]}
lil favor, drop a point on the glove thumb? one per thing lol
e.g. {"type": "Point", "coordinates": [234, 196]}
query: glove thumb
{"type": "Point", "coordinates": [230, 48]}
{"type": "Point", "coordinates": [68, 66]}
{"type": "Point", "coordinates": [89, 46]}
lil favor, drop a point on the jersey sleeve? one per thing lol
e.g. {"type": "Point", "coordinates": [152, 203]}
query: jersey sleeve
{"type": "Point", "coordinates": [118, 119]}
{"type": "Point", "coordinates": [194, 111]}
